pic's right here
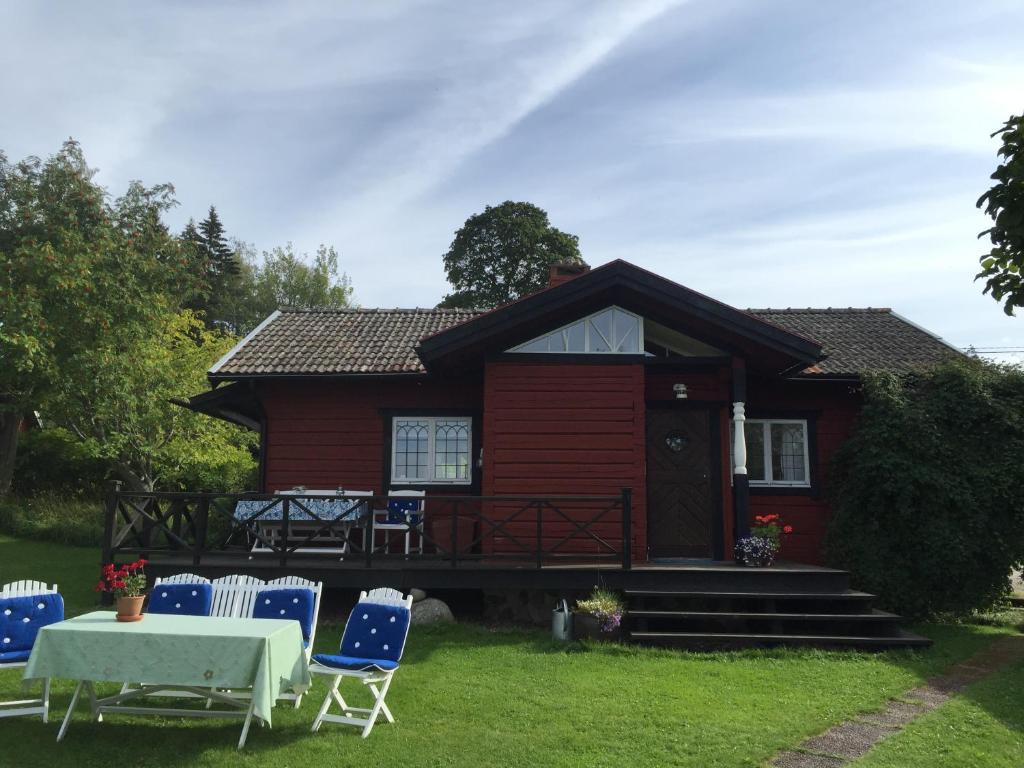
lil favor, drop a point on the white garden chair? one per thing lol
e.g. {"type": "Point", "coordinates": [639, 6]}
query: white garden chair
{"type": "Point", "coordinates": [25, 607]}
{"type": "Point", "coordinates": [404, 512]}
{"type": "Point", "coordinates": [371, 648]}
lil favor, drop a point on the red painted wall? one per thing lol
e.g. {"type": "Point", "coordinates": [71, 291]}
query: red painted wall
{"type": "Point", "coordinates": [836, 406]}
{"type": "Point", "coordinates": [553, 428]}
{"type": "Point", "coordinates": [331, 433]}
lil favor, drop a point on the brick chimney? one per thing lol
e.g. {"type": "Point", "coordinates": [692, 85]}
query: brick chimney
{"type": "Point", "coordinates": [563, 272]}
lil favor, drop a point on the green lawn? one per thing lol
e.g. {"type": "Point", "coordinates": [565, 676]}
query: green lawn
{"type": "Point", "coordinates": [984, 726]}
{"type": "Point", "coordinates": [467, 695]}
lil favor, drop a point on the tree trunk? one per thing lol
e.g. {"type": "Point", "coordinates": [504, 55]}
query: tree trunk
{"type": "Point", "coordinates": [10, 426]}
{"type": "Point", "coordinates": [132, 482]}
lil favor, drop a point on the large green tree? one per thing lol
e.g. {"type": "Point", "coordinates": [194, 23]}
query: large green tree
{"type": "Point", "coordinates": [116, 399]}
{"type": "Point", "coordinates": [504, 253]}
{"type": "Point", "coordinates": [1002, 267]}
{"type": "Point", "coordinates": [75, 269]}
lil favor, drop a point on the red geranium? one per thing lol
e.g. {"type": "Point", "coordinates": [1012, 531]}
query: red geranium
{"type": "Point", "coordinates": [128, 580]}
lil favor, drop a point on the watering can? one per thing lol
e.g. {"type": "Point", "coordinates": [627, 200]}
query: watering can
{"type": "Point", "coordinates": [561, 622]}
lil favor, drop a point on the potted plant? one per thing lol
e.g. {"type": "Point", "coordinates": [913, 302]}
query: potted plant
{"type": "Point", "coordinates": [758, 550]}
{"type": "Point", "coordinates": [127, 584]}
{"type": "Point", "coordinates": [599, 617]}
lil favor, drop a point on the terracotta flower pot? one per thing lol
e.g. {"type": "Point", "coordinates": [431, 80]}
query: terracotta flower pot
{"type": "Point", "coordinates": [129, 608]}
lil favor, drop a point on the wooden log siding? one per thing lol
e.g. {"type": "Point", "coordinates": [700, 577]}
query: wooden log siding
{"type": "Point", "coordinates": [566, 428]}
{"type": "Point", "coordinates": [333, 433]}
{"type": "Point", "coordinates": [834, 408]}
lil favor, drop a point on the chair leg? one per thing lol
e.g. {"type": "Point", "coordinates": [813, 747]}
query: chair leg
{"type": "Point", "coordinates": [331, 692]}
{"type": "Point", "coordinates": [378, 704]}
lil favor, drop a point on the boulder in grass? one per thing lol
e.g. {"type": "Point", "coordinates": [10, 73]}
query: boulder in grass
{"type": "Point", "coordinates": [431, 611]}
{"type": "Point", "coordinates": [417, 594]}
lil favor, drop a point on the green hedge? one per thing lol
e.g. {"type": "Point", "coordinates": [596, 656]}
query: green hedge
{"type": "Point", "coordinates": [928, 493]}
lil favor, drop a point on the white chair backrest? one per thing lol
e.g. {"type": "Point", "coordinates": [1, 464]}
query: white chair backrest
{"type": "Point", "coordinates": [27, 588]}
{"type": "Point", "coordinates": [233, 595]}
{"type": "Point", "coordinates": [182, 578]}
{"type": "Point", "coordinates": [386, 596]}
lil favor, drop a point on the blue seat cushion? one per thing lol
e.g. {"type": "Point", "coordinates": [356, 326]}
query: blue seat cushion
{"type": "Point", "coordinates": [354, 662]}
{"type": "Point", "coordinates": [9, 657]}
{"type": "Point", "coordinates": [402, 511]}
{"type": "Point", "coordinates": [21, 618]}
{"type": "Point", "coordinates": [294, 604]}
{"type": "Point", "coordinates": [375, 631]}
{"type": "Point", "coordinates": [181, 599]}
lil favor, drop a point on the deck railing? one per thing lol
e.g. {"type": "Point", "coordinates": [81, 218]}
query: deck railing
{"type": "Point", "coordinates": [524, 530]}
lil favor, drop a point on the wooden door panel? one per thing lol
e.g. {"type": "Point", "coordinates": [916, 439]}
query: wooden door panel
{"type": "Point", "coordinates": [680, 504]}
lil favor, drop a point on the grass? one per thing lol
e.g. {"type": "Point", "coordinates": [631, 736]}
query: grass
{"type": "Point", "coordinates": [56, 517]}
{"type": "Point", "coordinates": [982, 727]}
{"type": "Point", "coordinates": [469, 695]}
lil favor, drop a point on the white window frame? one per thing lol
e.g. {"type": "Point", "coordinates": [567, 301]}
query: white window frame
{"type": "Point", "coordinates": [769, 482]}
{"type": "Point", "coordinates": [518, 349]}
{"type": "Point", "coordinates": [431, 456]}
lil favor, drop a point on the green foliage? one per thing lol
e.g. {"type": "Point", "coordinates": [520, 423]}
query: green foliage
{"type": "Point", "coordinates": [117, 401]}
{"type": "Point", "coordinates": [282, 278]}
{"type": "Point", "coordinates": [601, 602]}
{"type": "Point", "coordinates": [51, 460]}
{"type": "Point", "coordinates": [504, 253]}
{"type": "Point", "coordinates": [56, 517]}
{"type": "Point", "coordinates": [1003, 267]}
{"type": "Point", "coordinates": [929, 512]}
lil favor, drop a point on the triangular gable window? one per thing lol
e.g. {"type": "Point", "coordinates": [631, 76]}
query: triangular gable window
{"type": "Point", "coordinates": [611, 331]}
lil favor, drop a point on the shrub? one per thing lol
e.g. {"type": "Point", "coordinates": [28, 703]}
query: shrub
{"type": "Point", "coordinates": [54, 460]}
{"type": "Point", "coordinates": [53, 517]}
{"type": "Point", "coordinates": [927, 493]}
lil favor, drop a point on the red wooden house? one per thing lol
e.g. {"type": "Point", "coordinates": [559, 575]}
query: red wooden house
{"type": "Point", "coordinates": [608, 379]}
{"type": "Point", "coordinates": [691, 416]}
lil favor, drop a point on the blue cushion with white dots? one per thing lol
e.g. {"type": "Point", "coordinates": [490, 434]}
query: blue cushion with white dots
{"type": "Point", "coordinates": [400, 511]}
{"type": "Point", "coordinates": [287, 604]}
{"type": "Point", "coordinates": [374, 637]}
{"type": "Point", "coordinates": [181, 599]}
{"type": "Point", "coordinates": [21, 618]}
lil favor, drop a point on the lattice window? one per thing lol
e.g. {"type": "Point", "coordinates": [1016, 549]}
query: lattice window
{"type": "Point", "coordinates": [431, 450]}
{"type": "Point", "coordinates": [777, 452]}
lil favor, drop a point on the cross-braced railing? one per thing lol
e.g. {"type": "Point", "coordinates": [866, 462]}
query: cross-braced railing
{"type": "Point", "coordinates": [453, 529]}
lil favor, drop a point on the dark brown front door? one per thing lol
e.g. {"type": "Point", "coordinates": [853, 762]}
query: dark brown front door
{"type": "Point", "coordinates": [680, 506]}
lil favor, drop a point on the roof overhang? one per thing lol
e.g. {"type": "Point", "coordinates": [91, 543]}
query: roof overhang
{"type": "Point", "coordinates": [236, 403]}
{"type": "Point", "coordinates": [766, 347]}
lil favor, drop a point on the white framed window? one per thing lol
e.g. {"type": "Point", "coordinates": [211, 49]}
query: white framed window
{"type": "Point", "coordinates": [429, 449]}
{"type": "Point", "coordinates": [612, 331]}
{"type": "Point", "coordinates": [777, 453]}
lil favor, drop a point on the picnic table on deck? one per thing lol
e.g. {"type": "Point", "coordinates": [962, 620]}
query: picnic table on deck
{"type": "Point", "coordinates": [343, 513]}
{"type": "Point", "coordinates": [174, 653]}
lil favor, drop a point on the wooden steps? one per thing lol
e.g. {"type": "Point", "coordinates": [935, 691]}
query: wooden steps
{"type": "Point", "coordinates": [806, 615]}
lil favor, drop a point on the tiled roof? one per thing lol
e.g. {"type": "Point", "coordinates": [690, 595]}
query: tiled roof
{"type": "Point", "coordinates": [861, 340]}
{"type": "Point", "coordinates": [334, 341]}
{"type": "Point", "coordinates": [345, 341]}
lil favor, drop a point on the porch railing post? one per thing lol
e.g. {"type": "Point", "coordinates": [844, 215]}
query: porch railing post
{"type": "Point", "coordinates": [540, 535]}
{"type": "Point", "coordinates": [201, 527]}
{"type": "Point", "coordinates": [286, 509]}
{"type": "Point", "coordinates": [368, 535]}
{"type": "Point", "coordinates": [455, 534]}
{"type": "Point", "coordinates": [627, 529]}
{"type": "Point", "coordinates": [110, 520]}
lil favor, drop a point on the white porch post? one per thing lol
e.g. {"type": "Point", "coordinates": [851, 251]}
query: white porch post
{"type": "Point", "coordinates": [740, 485]}
{"type": "Point", "coordinates": [739, 453]}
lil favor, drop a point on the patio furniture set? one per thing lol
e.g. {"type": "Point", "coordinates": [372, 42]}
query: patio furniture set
{"type": "Point", "coordinates": [253, 642]}
{"type": "Point", "coordinates": [403, 514]}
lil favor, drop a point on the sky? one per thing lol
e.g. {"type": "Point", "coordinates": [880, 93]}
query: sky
{"type": "Point", "coordinates": [791, 153]}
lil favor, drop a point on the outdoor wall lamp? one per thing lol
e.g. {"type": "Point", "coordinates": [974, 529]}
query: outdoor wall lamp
{"type": "Point", "coordinates": [680, 390]}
